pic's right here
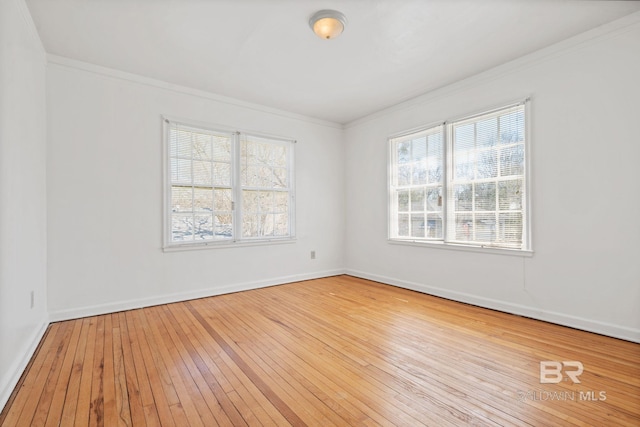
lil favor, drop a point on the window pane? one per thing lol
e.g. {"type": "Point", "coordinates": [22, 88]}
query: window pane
{"type": "Point", "coordinates": [250, 201]}
{"type": "Point", "coordinates": [181, 199]}
{"type": "Point", "coordinates": [267, 224]}
{"type": "Point", "coordinates": [181, 171]}
{"type": "Point", "coordinates": [257, 176]}
{"type": "Point", "coordinates": [434, 199]}
{"type": "Point", "coordinates": [404, 152]}
{"type": "Point", "coordinates": [485, 227]}
{"type": "Point", "coordinates": [417, 200]}
{"type": "Point", "coordinates": [512, 160]}
{"type": "Point", "coordinates": [463, 197]}
{"type": "Point", "coordinates": [434, 226]}
{"type": "Point", "coordinates": [224, 226]}
{"type": "Point", "coordinates": [464, 163]}
{"type": "Point", "coordinates": [510, 195]}
{"type": "Point", "coordinates": [419, 148]}
{"type": "Point", "coordinates": [202, 199]}
{"type": "Point", "coordinates": [487, 132]}
{"type": "Point", "coordinates": [221, 149]}
{"type": "Point", "coordinates": [250, 225]}
{"type": "Point", "coordinates": [222, 174]}
{"type": "Point", "coordinates": [180, 143]}
{"type": "Point", "coordinates": [419, 160]}
{"type": "Point", "coordinates": [203, 227]}
{"type": "Point", "coordinates": [512, 127]}
{"type": "Point", "coordinates": [281, 225]}
{"type": "Point", "coordinates": [222, 199]}
{"type": "Point", "coordinates": [279, 178]}
{"type": "Point", "coordinates": [403, 225]}
{"type": "Point", "coordinates": [266, 201]}
{"type": "Point", "coordinates": [435, 158]}
{"type": "Point", "coordinates": [485, 196]}
{"type": "Point", "coordinates": [201, 172]}
{"type": "Point", "coordinates": [487, 166]}
{"type": "Point", "coordinates": [202, 146]}
{"type": "Point", "coordinates": [281, 202]}
{"type": "Point", "coordinates": [417, 225]}
{"type": "Point", "coordinates": [279, 157]}
{"type": "Point", "coordinates": [464, 227]}
{"type": "Point", "coordinates": [403, 201]}
{"type": "Point", "coordinates": [419, 176]}
{"type": "Point", "coordinates": [463, 151]}
{"type": "Point", "coordinates": [181, 227]}
{"type": "Point", "coordinates": [511, 227]}
{"type": "Point", "coordinates": [404, 175]}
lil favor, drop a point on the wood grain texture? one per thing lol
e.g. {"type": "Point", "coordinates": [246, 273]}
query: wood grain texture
{"type": "Point", "coordinates": [328, 352]}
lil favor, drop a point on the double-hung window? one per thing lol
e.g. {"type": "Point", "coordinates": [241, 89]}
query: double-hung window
{"type": "Point", "coordinates": [226, 186]}
{"type": "Point", "coordinates": [462, 182]}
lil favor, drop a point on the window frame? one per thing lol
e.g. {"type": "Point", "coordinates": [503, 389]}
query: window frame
{"type": "Point", "coordinates": [447, 241]}
{"type": "Point", "coordinates": [237, 238]}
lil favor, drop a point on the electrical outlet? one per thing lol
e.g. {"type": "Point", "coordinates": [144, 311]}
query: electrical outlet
{"type": "Point", "coordinates": [313, 254]}
{"type": "Point", "coordinates": [33, 299]}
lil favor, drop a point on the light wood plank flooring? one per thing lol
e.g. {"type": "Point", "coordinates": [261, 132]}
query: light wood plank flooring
{"type": "Point", "coordinates": [329, 352]}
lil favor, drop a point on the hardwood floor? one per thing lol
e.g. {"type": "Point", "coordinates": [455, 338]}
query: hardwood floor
{"type": "Point", "coordinates": [335, 351]}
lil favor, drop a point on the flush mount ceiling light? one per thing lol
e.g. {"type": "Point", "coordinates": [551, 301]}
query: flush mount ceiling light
{"type": "Point", "coordinates": [328, 24]}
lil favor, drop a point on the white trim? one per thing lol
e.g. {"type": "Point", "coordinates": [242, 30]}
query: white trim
{"type": "Point", "coordinates": [462, 247]}
{"type": "Point", "coordinates": [17, 368]}
{"type": "Point", "coordinates": [136, 78]}
{"type": "Point", "coordinates": [95, 310]}
{"type": "Point", "coordinates": [604, 328]}
{"type": "Point", "coordinates": [227, 243]}
{"type": "Point", "coordinates": [574, 43]}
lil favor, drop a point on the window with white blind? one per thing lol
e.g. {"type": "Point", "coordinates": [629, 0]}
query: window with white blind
{"type": "Point", "coordinates": [462, 182]}
{"type": "Point", "coordinates": [226, 186]}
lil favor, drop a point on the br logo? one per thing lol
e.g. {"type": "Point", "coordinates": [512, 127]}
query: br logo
{"type": "Point", "coordinates": [551, 371]}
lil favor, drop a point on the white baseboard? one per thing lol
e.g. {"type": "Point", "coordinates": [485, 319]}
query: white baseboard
{"type": "Point", "coordinates": [603, 328]}
{"type": "Point", "coordinates": [8, 384]}
{"type": "Point", "coordinates": [95, 310]}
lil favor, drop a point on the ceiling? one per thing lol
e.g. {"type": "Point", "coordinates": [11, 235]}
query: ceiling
{"type": "Point", "coordinates": [263, 51]}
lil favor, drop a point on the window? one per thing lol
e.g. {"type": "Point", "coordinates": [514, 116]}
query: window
{"type": "Point", "coordinates": [462, 182]}
{"type": "Point", "coordinates": [224, 187]}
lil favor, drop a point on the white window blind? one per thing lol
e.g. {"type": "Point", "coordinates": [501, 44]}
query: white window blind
{"type": "Point", "coordinates": [209, 171]}
{"type": "Point", "coordinates": [462, 182]}
{"type": "Point", "coordinates": [487, 191]}
{"type": "Point", "coordinates": [201, 192]}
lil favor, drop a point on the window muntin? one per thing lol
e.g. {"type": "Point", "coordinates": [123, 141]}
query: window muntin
{"type": "Point", "coordinates": [209, 171]}
{"type": "Point", "coordinates": [482, 166]}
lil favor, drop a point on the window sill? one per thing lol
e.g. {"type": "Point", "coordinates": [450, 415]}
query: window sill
{"type": "Point", "coordinates": [464, 248]}
{"type": "Point", "coordinates": [225, 244]}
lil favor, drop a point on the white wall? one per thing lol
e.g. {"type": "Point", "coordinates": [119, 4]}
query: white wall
{"type": "Point", "coordinates": [105, 195]}
{"type": "Point", "coordinates": [23, 241]}
{"type": "Point", "coordinates": [586, 202]}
